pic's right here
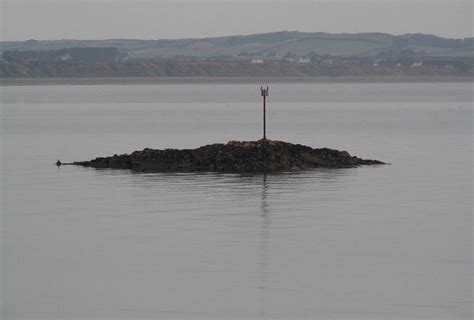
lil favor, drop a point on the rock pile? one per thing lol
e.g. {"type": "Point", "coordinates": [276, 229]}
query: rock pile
{"type": "Point", "coordinates": [235, 156]}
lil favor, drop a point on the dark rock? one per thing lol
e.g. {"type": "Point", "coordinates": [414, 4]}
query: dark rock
{"type": "Point", "coordinates": [235, 156]}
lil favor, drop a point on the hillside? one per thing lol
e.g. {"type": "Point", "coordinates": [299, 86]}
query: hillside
{"type": "Point", "coordinates": [277, 44]}
{"type": "Point", "coordinates": [212, 68]}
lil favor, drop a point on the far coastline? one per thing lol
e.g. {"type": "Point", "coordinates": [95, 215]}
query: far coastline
{"type": "Point", "coordinates": [225, 80]}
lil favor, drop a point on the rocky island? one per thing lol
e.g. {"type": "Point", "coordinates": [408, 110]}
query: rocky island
{"type": "Point", "coordinates": [234, 156]}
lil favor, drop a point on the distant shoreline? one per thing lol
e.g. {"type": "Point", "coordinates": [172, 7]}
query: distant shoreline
{"type": "Point", "coordinates": [225, 80]}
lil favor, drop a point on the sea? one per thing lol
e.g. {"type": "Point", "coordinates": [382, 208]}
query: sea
{"type": "Point", "coordinates": [391, 241]}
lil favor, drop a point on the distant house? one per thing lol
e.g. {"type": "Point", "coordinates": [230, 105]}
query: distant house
{"type": "Point", "coordinates": [66, 57]}
{"type": "Point", "coordinates": [304, 60]}
{"type": "Point", "coordinates": [257, 61]}
{"type": "Point", "coordinates": [417, 64]}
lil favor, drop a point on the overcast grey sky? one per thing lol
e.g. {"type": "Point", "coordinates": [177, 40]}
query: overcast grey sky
{"type": "Point", "coordinates": [157, 19]}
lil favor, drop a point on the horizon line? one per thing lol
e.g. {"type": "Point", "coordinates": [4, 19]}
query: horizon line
{"type": "Point", "coordinates": [241, 35]}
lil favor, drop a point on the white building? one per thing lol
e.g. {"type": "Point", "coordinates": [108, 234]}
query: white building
{"type": "Point", "coordinates": [417, 64]}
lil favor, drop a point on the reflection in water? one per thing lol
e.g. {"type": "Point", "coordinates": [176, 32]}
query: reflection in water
{"type": "Point", "coordinates": [264, 249]}
{"type": "Point", "coordinates": [244, 204]}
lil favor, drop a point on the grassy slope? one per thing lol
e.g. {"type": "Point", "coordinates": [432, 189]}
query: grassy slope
{"type": "Point", "coordinates": [300, 43]}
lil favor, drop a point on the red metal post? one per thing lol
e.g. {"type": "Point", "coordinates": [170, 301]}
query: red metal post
{"type": "Point", "coordinates": [264, 93]}
{"type": "Point", "coordinates": [264, 118]}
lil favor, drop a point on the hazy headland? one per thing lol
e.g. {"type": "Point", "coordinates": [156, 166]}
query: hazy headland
{"type": "Point", "coordinates": [291, 56]}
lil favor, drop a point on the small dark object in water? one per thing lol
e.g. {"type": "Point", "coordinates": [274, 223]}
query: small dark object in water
{"type": "Point", "coordinates": [58, 163]}
{"type": "Point", "coordinates": [235, 156]}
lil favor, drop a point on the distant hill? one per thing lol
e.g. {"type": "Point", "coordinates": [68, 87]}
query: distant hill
{"type": "Point", "coordinates": [277, 44]}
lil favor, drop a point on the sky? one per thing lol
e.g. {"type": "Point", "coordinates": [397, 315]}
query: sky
{"type": "Point", "coordinates": [173, 19]}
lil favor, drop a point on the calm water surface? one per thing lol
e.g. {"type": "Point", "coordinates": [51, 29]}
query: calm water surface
{"type": "Point", "coordinates": [385, 242]}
